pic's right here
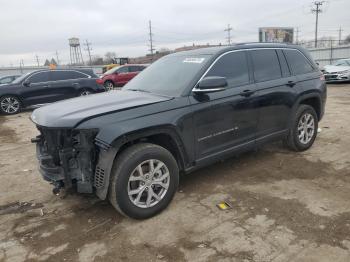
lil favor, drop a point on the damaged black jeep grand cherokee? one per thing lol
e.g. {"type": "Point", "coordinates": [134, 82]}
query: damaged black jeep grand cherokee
{"type": "Point", "coordinates": [183, 112]}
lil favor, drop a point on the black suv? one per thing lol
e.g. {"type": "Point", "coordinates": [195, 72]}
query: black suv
{"type": "Point", "coordinates": [47, 86]}
{"type": "Point", "coordinates": [185, 111]}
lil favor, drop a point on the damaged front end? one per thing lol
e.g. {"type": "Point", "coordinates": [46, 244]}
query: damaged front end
{"type": "Point", "coordinates": [67, 157]}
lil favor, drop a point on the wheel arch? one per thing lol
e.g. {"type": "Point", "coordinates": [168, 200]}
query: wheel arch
{"type": "Point", "coordinates": [313, 100]}
{"type": "Point", "coordinates": [162, 136]}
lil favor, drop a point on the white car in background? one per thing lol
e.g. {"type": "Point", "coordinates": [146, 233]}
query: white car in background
{"type": "Point", "coordinates": [337, 72]}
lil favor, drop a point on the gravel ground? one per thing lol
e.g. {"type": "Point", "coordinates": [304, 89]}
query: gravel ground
{"type": "Point", "coordinates": [286, 206]}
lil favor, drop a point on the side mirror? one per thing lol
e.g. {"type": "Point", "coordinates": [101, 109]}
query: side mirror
{"type": "Point", "coordinates": [26, 83]}
{"type": "Point", "coordinates": [211, 84]}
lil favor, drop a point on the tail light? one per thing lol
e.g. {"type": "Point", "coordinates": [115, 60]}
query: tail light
{"type": "Point", "coordinates": [99, 81]}
{"type": "Point", "coordinates": [322, 78]}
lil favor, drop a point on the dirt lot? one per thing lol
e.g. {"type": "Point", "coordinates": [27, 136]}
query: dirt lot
{"type": "Point", "coordinates": [285, 206]}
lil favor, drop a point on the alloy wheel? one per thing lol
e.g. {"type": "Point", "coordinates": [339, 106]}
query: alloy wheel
{"type": "Point", "coordinates": [306, 128]}
{"type": "Point", "coordinates": [10, 105]}
{"type": "Point", "coordinates": [85, 93]}
{"type": "Point", "coordinates": [109, 85]}
{"type": "Point", "coordinates": [148, 183]}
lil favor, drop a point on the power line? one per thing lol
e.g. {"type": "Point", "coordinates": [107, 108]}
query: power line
{"type": "Point", "coordinates": [88, 48]}
{"type": "Point", "coordinates": [151, 39]}
{"type": "Point", "coordinates": [317, 10]}
{"type": "Point", "coordinates": [297, 35]}
{"type": "Point", "coordinates": [37, 60]}
{"type": "Point", "coordinates": [228, 30]}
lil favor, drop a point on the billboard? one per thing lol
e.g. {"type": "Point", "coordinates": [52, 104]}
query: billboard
{"type": "Point", "coordinates": [276, 34]}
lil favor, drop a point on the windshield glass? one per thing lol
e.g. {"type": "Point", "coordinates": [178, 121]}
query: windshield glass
{"type": "Point", "coordinates": [20, 79]}
{"type": "Point", "coordinates": [169, 75]}
{"type": "Point", "coordinates": [111, 71]}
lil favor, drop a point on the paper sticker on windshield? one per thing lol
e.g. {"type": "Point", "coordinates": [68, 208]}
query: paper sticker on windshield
{"type": "Point", "coordinates": [196, 60]}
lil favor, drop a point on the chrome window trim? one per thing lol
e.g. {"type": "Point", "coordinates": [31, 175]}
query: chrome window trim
{"type": "Point", "coordinates": [194, 89]}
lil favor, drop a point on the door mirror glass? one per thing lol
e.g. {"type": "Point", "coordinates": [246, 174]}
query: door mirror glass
{"type": "Point", "coordinates": [211, 84]}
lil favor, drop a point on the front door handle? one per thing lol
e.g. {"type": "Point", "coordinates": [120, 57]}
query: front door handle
{"type": "Point", "coordinates": [290, 83]}
{"type": "Point", "coordinates": [247, 93]}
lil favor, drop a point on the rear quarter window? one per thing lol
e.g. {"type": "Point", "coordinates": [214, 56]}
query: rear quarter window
{"type": "Point", "coordinates": [298, 63]}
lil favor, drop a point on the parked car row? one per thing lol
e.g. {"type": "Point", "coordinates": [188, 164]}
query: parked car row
{"type": "Point", "coordinates": [47, 86]}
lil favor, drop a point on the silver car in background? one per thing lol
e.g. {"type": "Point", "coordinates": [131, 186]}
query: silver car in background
{"type": "Point", "coordinates": [337, 72]}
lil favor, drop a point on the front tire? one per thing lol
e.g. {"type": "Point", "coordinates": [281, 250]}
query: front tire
{"type": "Point", "coordinates": [109, 85]}
{"type": "Point", "coordinates": [10, 105]}
{"type": "Point", "coordinates": [304, 129]}
{"type": "Point", "coordinates": [144, 180]}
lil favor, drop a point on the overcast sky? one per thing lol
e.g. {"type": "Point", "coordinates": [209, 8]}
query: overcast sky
{"type": "Point", "coordinates": [30, 27]}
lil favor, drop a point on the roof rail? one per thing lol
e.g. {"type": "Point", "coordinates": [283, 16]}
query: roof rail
{"type": "Point", "coordinates": [251, 43]}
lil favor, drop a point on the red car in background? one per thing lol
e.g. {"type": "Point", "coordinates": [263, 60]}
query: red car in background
{"type": "Point", "coordinates": [119, 76]}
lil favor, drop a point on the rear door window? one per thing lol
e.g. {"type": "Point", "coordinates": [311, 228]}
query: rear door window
{"type": "Point", "coordinates": [39, 77]}
{"type": "Point", "coordinates": [234, 67]}
{"type": "Point", "coordinates": [66, 75]}
{"type": "Point", "coordinates": [298, 62]}
{"type": "Point", "coordinates": [134, 68]}
{"type": "Point", "coordinates": [266, 65]}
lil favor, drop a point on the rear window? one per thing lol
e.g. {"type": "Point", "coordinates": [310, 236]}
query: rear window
{"type": "Point", "coordinates": [266, 65]}
{"type": "Point", "coordinates": [298, 62]}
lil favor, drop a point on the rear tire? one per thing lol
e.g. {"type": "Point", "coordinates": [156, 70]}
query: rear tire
{"type": "Point", "coordinates": [304, 129]}
{"type": "Point", "coordinates": [10, 105]}
{"type": "Point", "coordinates": [135, 190]}
{"type": "Point", "coordinates": [85, 92]}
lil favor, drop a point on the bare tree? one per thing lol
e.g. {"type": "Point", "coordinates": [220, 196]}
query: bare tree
{"type": "Point", "coordinates": [347, 40]}
{"type": "Point", "coordinates": [109, 57]}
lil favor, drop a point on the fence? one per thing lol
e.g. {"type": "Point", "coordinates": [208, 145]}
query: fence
{"type": "Point", "coordinates": [328, 51]}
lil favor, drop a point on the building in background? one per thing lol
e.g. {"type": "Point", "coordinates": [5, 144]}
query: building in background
{"type": "Point", "coordinates": [276, 34]}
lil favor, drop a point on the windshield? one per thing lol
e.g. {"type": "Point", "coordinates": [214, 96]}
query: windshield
{"type": "Point", "coordinates": [342, 63]}
{"type": "Point", "coordinates": [20, 79]}
{"type": "Point", "coordinates": [111, 71]}
{"type": "Point", "coordinates": [169, 76]}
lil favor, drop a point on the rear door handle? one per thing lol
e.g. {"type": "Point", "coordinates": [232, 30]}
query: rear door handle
{"type": "Point", "coordinates": [290, 83]}
{"type": "Point", "coordinates": [247, 93]}
{"type": "Point", "coordinates": [75, 84]}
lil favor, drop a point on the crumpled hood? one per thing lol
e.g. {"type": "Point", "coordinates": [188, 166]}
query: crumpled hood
{"type": "Point", "coordinates": [69, 113]}
{"type": "Point", "coordinates": [335, 69]}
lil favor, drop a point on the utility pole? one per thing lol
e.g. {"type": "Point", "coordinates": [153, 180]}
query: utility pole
{"type": "Point", "coordinates": [21, 65]}
{"type": "Point", "coordinates": [317, 10]}
{"type": "Point", "coordinates": [297, 35]}
{"type": "Point", "coordinates": [340, 31]}
{"type": "Point", "coordinates": [37, 60]}
{"type": "Point", "coordinates": [58, 61]}
{"type": "Point", "coordinates": [151, 39]}
{"type": "Point", "coordinates": [228, 30]}
{"type": "Point", "coordinates": [88, 48]}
